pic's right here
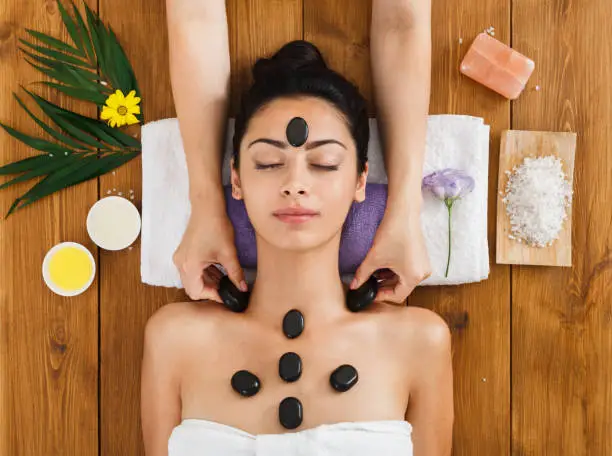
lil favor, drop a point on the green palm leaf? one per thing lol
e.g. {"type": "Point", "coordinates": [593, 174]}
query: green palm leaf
{"type": "Point", "coordinates": [80, 94]}
{"type": "Point", "coordinates": [35, 143]}
{"type": "Point", "coordinates": [26, 164]}
{"type": "Point", "coordinates": [96, 127]}
{"type": "Point", "coordinates": [55, 113]}
{"type": "Point", "coordinates": [87, 147]}
{"type": "Point", "coordinates": [55, 43]}
{"type": "Point", "coordinates": [60, 137]}
{"type": "Point", "coordinates": [83, 33]}
{"type": "Point", "coordinates": [82, 171]}
{"type": "Point", "coordinates": [52, 164]}
{"type": "Point", "coordinates": [70, 26]}
{"type": "Point", "coordinates": [58, 56]}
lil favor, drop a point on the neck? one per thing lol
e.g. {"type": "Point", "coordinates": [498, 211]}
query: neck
{"type": "Point", "coordinates": [307, 281]}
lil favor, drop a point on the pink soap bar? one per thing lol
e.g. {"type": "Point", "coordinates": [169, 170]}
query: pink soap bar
{"type": "Point", "coordinates": [497, 66]}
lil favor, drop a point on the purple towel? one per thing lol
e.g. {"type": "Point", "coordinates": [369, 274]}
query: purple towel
{"type": "Point", "coordinates": [357, 233]}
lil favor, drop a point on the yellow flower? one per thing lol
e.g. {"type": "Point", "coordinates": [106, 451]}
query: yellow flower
{"type": "Point", "coordinates": [120, 110]}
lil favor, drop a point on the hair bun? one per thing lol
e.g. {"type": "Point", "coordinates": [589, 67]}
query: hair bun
{"type": "Point", "coordinates": [295, 56]}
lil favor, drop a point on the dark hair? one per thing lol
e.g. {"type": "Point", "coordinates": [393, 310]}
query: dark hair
{"type": "Point", "coordinates": [298, 69]}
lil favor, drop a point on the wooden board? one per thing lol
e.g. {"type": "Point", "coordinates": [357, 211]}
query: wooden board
{"type": "Point", "coordinates": [562, 317]}
{"type": "Point", "coordinates": [127, 303]}
{"type": "Point", "coordinates": [48, 343]}
{"type": "Point", "coordinates": [478, 313]}
{"type": "Point", "coordinates": [516, 145]}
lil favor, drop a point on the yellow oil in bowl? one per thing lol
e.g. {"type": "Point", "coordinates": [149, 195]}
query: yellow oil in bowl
{"type": "Point", "coordinates": [68, 269]}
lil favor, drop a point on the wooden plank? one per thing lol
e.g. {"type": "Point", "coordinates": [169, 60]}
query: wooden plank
{"type": "Point", "coordinates": [516, 145]}
{"type": "Point", "coordinates": [475, 312]}
{"type": "Point", "coordinates": [258, 28]}
{"type": "Point", "coordinates": [478, 313]}
{"type": "Point", "coordinates": [126, 303]}
{"type": "Point", "coordinates": [561, 317]}
{"type": "Point", "coordinates": [341, 30]}
{"type": "Point", "coordinates": [48, 343]}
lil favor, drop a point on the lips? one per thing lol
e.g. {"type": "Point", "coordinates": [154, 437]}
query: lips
{"type": "Point", "coordinates": [295, 211]}
{"type": "Point", "coordinates": [295, 215]}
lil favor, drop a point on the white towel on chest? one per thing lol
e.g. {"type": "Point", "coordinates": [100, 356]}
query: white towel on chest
{"type": "Point", "coordinates": [453, 141]}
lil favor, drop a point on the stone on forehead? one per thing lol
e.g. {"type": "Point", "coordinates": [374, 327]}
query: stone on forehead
{"type": "Point", "coordinates": [297, 132]}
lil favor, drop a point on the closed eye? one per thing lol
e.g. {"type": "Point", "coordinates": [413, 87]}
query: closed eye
{"type": "Point", "coordinates": [326, 167]}
{"type": "Point", "coordinates": [276, 165]}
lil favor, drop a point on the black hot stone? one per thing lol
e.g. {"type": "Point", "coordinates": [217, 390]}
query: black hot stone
{"type": "Point", "coordinates": [362, 297]}
{"type": "Point", "coordinates": [343, 378]}
{"type": "Point", "coordinates": [234, 299]}
{"type": "Point", "coordinates": [290, 367]}
{"type": "Point", "coordinates": [245, 383]}
{"type": "Point", "coordinates": [290, 412]}
{"type": "Point", "coordinates": [297, 132]}
{"type": "Point", "coordinates": [293, 324]}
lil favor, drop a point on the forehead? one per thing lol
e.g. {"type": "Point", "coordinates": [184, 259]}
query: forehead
{"type": "Point", "coordinates": [322, 117]}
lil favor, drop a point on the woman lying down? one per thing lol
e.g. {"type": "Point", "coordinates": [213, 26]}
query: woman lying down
{"type": "Point", "coordinates": [298, 369]}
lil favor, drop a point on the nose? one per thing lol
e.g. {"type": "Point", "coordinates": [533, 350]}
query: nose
{"type": "Point", "coordinates": [296, 182]}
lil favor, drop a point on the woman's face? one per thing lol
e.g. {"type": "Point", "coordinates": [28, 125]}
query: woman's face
{"type": "Point", "coordinates": [319, 176]}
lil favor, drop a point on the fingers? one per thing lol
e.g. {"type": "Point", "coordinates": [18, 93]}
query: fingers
{"type": "Point", "coordinates": [198, 284]}
{"type": "Point", "coordinates": [395, 290]}
{"type": "Point", "coordinates": [395, 294]}
{"type": "Point", "coordinates": [363, 273]}
{"type": "Point", "coordinates": [234, 270]}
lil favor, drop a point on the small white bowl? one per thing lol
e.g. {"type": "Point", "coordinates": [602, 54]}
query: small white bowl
{"type": "Point", "coordinates": [113, 223]}
{"type": "Point", "coordinates": [47, 276]}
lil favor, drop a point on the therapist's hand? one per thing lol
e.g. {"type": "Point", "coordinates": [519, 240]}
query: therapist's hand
{"type": "Point", "coordinates": [398, 255]}
{"type": "Point", "coordinates": [208, 239]}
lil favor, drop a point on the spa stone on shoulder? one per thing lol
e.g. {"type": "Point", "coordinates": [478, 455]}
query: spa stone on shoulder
{"type": "Point", "coordinates": [234, 299]}
{"type": "Point", "coordinates": [362, 297]}
{"type": "Point", "coordinates": [290, 367]}
{"type": "Point", "coordinates": [343, 378]}
{"type": "Point", "coordinates": [293, 324]}
{"type": "Point", "coordinates": [297, 132]}
{"type": "Point", "coordinates": [290, 412]}
{"type": "Point", "coordinates": [245, 383]}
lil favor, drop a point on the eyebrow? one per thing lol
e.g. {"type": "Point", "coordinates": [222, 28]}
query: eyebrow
{"type": "Point", "coordinates": [309, 145]}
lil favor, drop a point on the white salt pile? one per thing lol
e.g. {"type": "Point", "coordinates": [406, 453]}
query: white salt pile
{"type": "Point", "coordinates": [537, 196]}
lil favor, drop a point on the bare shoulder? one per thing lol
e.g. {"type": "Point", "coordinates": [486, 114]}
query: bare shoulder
{"type": "Point", "coordinates": [173, 323]}
{"type": "Point", "coordinates": [421, 331]}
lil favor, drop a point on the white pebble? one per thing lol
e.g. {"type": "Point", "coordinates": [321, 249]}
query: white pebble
{"type": "Point", "coordinates": [120, 193]}
{"type": "Point", "coordinates": [484, 379]}
{"type": "Point", "coordinates": [492, 33]}
{"type": "Point", "coordinates": [537, 87]}
{"type": "Point", "coordinates": [108, 192]}
{"type": "Point", "coordinates": [50, 155]}
{"type": "Point", "coordinates": [132, 197]}
{"type": "Point", "coordinates": [103, 83]}
{"type": "Point", "coordinates": [130, 247]}
{"type": "Point", "coordinates": [65, 153]}
{"type": "Point", "coordinates": [113, 173]}
{"type": "Point", "coordinates": [460, 40]}
{"type": "Point", "coordinates": [537, 197]}
{"type": "Point", "coordinates": [114, 189]}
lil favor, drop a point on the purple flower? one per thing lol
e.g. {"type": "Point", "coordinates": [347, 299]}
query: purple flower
{"type": "Point", "coordinates": [448, 185]}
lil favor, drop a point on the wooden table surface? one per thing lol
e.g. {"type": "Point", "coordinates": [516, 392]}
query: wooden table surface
{"type": "Point", "coordinates": [531, 345]}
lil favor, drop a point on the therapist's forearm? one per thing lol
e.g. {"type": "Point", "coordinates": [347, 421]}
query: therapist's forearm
{"type": "Point", "coordinates": [200, 75]}
{"type": "Point", "coordinates": [401, 71]}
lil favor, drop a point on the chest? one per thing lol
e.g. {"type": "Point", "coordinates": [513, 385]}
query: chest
{"type": "Point", "coordinates": [380, 393]}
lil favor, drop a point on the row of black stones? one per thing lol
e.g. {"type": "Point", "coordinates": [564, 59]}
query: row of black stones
{"type": "Point", "coordinates": [290, 410]}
